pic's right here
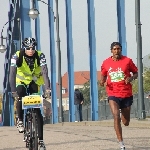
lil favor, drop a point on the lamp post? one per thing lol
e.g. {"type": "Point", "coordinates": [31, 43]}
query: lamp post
{"type": "Point", "coordinates": [141, 106]}
{"type": "Point", "coordinates": [33, 13]}
{"type": "Point", "coordinates": [19, 34]}
{"type": "Point", "coordinates": [2, 46]}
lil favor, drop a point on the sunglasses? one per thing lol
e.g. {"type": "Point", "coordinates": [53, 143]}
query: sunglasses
{"type": "Point", "coordinates": [28, 48]}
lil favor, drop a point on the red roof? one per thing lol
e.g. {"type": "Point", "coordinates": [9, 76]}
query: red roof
{"type": "Point", "coordinates": [80, 78]}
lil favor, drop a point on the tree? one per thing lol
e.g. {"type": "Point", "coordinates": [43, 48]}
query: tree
{"type": "Point", "coordinates": [101, 92]}
{"type": "Point", "coordinates": [86, 92]}
{"type": "Point", "coordinates": [135, 86]}
{"type": "Point", "coordinates": [146, 82]}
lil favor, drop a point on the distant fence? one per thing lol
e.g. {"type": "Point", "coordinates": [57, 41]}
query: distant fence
{"type": "Point", "coordinates": [104, 111]}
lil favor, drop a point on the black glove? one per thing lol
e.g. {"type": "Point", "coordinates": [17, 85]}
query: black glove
{"type": "Point", "coordinates": [47, 94]}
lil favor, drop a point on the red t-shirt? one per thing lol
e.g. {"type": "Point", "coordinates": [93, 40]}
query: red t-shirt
{"type": "Point", "coordinates": [117, 72]}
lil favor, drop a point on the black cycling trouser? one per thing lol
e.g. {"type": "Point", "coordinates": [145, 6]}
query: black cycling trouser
{"type": "Point", "coordinates": [22, 91]}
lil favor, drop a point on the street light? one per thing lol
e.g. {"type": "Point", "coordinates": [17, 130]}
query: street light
{"type": "Point", "coordinates": [33, 14]}
{"type": "Point", "coordinates": [3, 47]}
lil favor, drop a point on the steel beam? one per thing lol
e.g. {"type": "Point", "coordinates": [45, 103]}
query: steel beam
{"type": "Point", "coordinates": [121, 25]}
{"type": "Point", "coordinates": [92, 52]}
{"type": "Point", "coordinates": [53, 64]}
{"type": "Point", "coordinates": [70, 57]}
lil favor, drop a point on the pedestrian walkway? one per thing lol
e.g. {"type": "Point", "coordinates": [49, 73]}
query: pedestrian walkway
{"type": "Point", "coordinates": [82, 136]}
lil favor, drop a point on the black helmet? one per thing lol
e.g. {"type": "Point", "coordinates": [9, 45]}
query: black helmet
{"type": "Point", "coordinates": [29, 42]}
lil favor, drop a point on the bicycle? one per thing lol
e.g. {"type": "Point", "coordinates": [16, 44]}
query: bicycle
{"type": "Point", "coordinates": [29, 104]}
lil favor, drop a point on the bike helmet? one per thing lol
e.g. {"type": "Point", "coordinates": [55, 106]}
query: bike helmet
{"type": "Point", "coordinates": [29, 42]}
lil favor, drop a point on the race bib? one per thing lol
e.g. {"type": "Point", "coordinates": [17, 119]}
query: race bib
{"type": "Point", "coordinates": [116, 76]}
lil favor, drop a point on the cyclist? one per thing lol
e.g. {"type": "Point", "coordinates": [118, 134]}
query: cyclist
{"type": "Point", "coordinates": [29, 70]}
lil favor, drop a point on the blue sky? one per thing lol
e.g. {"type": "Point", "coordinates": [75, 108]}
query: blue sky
{"type": "Point", "coordinates": [105, 27]}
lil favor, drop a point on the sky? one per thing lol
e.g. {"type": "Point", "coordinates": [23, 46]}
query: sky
{"type": "Point", "coordinates": [105, 30]}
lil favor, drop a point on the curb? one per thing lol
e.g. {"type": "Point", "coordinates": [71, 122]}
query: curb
{"type": "Point", "coordinates": [105, 123]}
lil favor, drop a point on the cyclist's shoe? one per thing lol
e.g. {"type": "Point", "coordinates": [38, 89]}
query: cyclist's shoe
{"type": "Point", "coordinates": [42, 145]}
{"type": "Point", "coordinates": [25, 137]}
{"type": "Point", "coordinates": [17, 123]}
{"type": "Point", "coordinates": [20, 127]}
{"type": "Point", "coordinates": [122, 148]}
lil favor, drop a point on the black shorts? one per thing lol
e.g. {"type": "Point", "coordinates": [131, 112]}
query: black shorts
{"type": "Point", "coordinates": [122, 102]}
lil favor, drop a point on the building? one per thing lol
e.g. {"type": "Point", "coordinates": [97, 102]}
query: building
{"type": "Point", "coordinates": [80, 78]}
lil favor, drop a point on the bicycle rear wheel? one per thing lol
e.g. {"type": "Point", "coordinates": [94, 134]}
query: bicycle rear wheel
{"type": "Point", "coordinates": [34, 131]}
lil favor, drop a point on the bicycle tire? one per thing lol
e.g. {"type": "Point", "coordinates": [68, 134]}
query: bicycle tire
{"type": "Point", "coordinates": [31, 145]}
{"type": "Point", "coordinates": [27, 131]}
{"type": "Point", "coordinates": [35, 131]}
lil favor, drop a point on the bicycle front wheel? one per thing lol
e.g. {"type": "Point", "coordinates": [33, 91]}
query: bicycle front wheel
{"type": "Point", "coordinates": [34, 131]}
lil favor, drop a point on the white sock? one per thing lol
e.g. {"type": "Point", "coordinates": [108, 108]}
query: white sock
{"type": "Point", "coordinates": [121, 144]}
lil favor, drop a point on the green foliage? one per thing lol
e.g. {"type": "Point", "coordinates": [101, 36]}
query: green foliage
{"type": "Point", "coordinates": [86, 92]}
{"type": "Point", "coordinates": [146, 82]}
{"type": "Point", "coordinates": [135, 86]}
{"type": "Point", "coordinates": [101, 92]}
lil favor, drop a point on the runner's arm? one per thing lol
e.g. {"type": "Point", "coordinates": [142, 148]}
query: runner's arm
{"type": "Point", "coordinates": [133, 69]}
{"type": "Point", "coordinates": [103, 75]}
{"type": "Point", "coordinates": [44, 71]}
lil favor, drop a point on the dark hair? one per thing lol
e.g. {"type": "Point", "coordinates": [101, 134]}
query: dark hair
{"type": "Point", "coordinates": [76, 89]}
{"type": "Point", "coordinates": [115, 43]}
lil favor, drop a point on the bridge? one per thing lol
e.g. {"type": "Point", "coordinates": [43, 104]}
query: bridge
{"type": "Point", "coordinates": [98, 135]}
{"type": "Point", "coordinates": [19, 27]}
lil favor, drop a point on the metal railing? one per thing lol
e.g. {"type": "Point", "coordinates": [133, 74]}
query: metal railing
{"type": "Point", "coordinates": [103, 111]}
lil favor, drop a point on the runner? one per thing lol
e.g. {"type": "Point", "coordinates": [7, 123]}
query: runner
{"type": "Point", "coordinates": [116, 72]}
